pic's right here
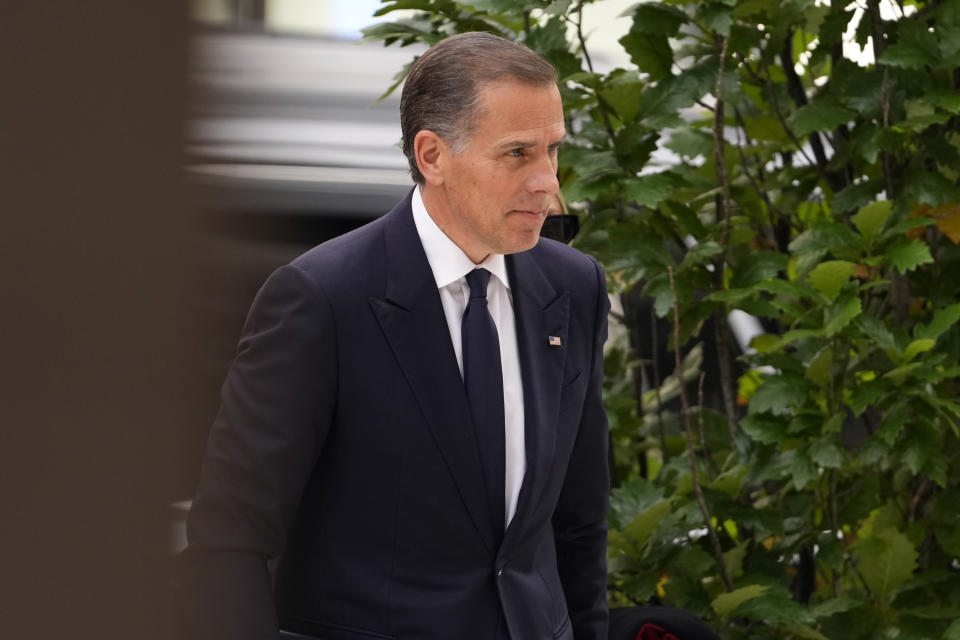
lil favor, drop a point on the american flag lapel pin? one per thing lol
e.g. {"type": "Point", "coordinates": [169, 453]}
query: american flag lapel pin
{"type": "Point", "coordinates": [554, 341]}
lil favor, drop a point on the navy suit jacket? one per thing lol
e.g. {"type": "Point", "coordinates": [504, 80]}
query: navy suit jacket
{"type": "Point", "coordinates": [344, 446]}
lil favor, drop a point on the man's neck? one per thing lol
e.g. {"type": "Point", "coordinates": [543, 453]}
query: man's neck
{"type": "Point", "coordinates": [438, 207]}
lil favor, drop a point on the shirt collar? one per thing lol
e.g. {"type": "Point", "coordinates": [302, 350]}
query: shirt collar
{"type": "Point", "coordinates": [448, 261]}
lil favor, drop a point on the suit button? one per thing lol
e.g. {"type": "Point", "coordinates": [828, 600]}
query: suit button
{"type": "Point", "coordinates": [499, 572]}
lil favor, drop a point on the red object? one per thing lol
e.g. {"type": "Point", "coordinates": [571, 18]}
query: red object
{"type": "Point", "coordinates": [653, 632]}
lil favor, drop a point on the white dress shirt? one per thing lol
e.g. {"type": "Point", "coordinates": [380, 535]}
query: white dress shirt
{"type": "Point", "coordinates": [450, 265]}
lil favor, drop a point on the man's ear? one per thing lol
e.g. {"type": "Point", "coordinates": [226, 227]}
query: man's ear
{"type": "Point", "coordinates": [432, 155]}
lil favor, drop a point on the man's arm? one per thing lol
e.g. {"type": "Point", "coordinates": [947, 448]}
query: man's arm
{"type": "Point", "coordinates": [580, 519]}
{"type": "Point", "coordinates": [276, 408]}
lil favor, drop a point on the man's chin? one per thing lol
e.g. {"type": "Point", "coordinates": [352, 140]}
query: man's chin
{"type": "Point", "coordinates": [527, 241]}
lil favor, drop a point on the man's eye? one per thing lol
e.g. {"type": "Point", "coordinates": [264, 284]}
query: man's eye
{"type": "Point", "coordinates": [515, 153]}
{"type": "Point", "coordinates": [553, 148]}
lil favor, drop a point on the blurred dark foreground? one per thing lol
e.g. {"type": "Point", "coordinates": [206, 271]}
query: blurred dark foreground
{"type": "Point", "coordinates": [95, 315]}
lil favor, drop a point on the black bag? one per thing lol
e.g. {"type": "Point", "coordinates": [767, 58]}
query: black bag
{"type": "Point", "coordinates": [657, 623]}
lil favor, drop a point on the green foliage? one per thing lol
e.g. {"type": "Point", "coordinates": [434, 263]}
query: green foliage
{"type": "Point", "coordinates": [831, 211]}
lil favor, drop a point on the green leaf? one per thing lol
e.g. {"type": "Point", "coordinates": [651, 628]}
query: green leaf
{"type": "Point", "coordinates": [824, 237]}
{"type": "Point", "coordinates": [941, 322]}
{"type": "Point", "coordinates": [660, 105]}
{"type": "Point", "coordinates": [592, 165]}
{"type": "Point", "coordinates": [733, 558]}
{"type": "Point", "coordinates": [876, 330]}
{"type": "Point", "coordinates": [623, 94]}
{"type": "Point", "coordinates": [396, 5]}
{"type": "Point", "coordinates": [730, 480]}
{"type": "Point", "coordinates": [868, 394]}
{"type": "Point", "coordinates": [837, 605]}
{"type": "Point", "coordinates": [549, 39]}
{"type": "Point", "coordinates": [643, 525]}
{"type": "Point", "coordinates": [652, 189]}
{"type": "Point", "coordinates": [922, 446]}
{"type": "Point", "coordinates": [856, 195]}
{"type": "Point", "coordinates": [763, 428]}
{"type": "Point", "coordinates": [949, 539]}
{"type": "Point", "coordinates": [756, 267]}
{"type": "Point", "coordinates": [631, 499]}
{"type": "Point", "coordinates": [690, 143]}
{"type": "Point", "coordinates": [407, 31]}
{"type": "Point", "coordinates": [725, 603]}
{"type": "Point", "coordinates": [759, 8]}
{"type": "Point", "coordinates": [774, 607]}
{"type": "Point", "coordinates": [886, 560]}
{"type": "Point", "coordinates": [731, 296]}
{"type": "Point", "coordinates": [893, 422]}
{"type": "Point", "coordinates": [765, 342]}
{"type": "Point", "coordinates": [827, 452]}
{"type": "Point", "coordinates": [778, 393]}
{"type": "Point", "coordinates": [701, 253]}
{"type": "Point", "coordinates": [872, 452]}
{"type": "Point", "coordinates": [765, 128]}
{"type": "Point", "coordinates": [830, 276]}
{"type": "Point", "coordinates": [717, 17]}
{"type": "Point", "coordinates": [815, 117]}
{"type": "Point", "coordinates": [917, 347]}
{"type": "Point", "coordinates": [953, 631]}
{"type": "Point", "coordinates": [659, 288]}
{"type": "Point", "coordinates": [901, 373]}
{"type": "Point", "coordinates": [932, 612]}
{"type": "Point", "coordinates": [929, 187]}
{"type": "Point", "coordinates": [802, 469]}
{"type": "Point", "coordinates": [657, 18]}
{"type": "Point", "coordinates": [946, 100]}
{"type": "Point", "coordinates": [905, 56]}
{"type": "Point", "coordinates": [496, 6]}
{"type": "Point", "coordinates": [797, 630]}
{"type": "Point", "coordinates": [869, 219]}
{"type": "Point", "coordinates": [650, 52]}
{"type": "Point", "coordinates": [818, 369]}
{"type": "Point", "coordinates": [841, 314]}
{"type": "Point", "coordinates": [796, 334]}
{"type": "Point", "coordinates": [908, 254]}
{"type": "Point", "coordinates": [786, 287]}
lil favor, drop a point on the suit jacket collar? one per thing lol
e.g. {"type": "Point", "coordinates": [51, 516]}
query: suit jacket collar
{"type": "Point", "coordinates": [411, 316]}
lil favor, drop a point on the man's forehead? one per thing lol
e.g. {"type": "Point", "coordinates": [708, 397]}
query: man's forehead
{"type": "Point", "coordinates": [513, 109]}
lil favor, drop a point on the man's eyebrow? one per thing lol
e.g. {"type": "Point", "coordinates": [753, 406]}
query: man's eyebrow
{"type": "Point", "coordinates": [526, 144]}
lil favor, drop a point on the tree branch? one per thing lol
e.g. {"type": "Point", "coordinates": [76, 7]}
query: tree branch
{"type": "Point", "coordinates": [586, 57]}
{"type": "Point", "coordinates": [876, 29]}
{"type": "Point", "coordinates": [703, 438]}
{"type": "Point", "coordinates": [795, 88]}
{"type": "Point", "coordinates": [656, 383]}
{"type": "Point", "coordinates": [772, 209]}
{"type": "Point", "coordinates": [724, 207]}
{"type": "Point", "coordinates": [685, 409]}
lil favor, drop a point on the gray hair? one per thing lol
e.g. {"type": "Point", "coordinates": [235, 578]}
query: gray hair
{"type": "Point", "coordinates": [442, 91]}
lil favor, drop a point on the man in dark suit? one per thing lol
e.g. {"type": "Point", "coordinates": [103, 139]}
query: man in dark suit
{"type": "Point", "coordinates": [413, 422]}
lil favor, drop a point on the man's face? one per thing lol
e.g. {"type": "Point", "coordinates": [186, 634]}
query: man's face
{"type": "Point", "coordinates": [495, 195]}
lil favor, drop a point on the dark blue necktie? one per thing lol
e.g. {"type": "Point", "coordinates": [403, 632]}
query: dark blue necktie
{"type": "Point", "coordinates": [484, 382]}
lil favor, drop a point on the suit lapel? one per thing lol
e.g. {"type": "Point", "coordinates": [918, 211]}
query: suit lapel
{"type": "Point", "coordinates": [541, 312]}
{"type": "Point", "coordinates": [411, 316]}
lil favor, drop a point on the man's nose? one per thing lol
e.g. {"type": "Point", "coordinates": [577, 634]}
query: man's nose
{"type": "Point", "coordinates": [543, 178]}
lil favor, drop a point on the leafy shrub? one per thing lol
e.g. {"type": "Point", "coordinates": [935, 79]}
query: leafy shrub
{"type": "Point", "coordinates": [813, 492]}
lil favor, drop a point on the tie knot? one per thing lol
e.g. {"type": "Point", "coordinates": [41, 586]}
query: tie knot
{"type": "Point", "coordinates": [478, 279]}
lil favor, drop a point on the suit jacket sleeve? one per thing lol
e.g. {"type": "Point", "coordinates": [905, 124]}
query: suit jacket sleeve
{"type": "Point", "coordinates": [276, 408]}
{"type": "Point", "coordinates": [580, 519]}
